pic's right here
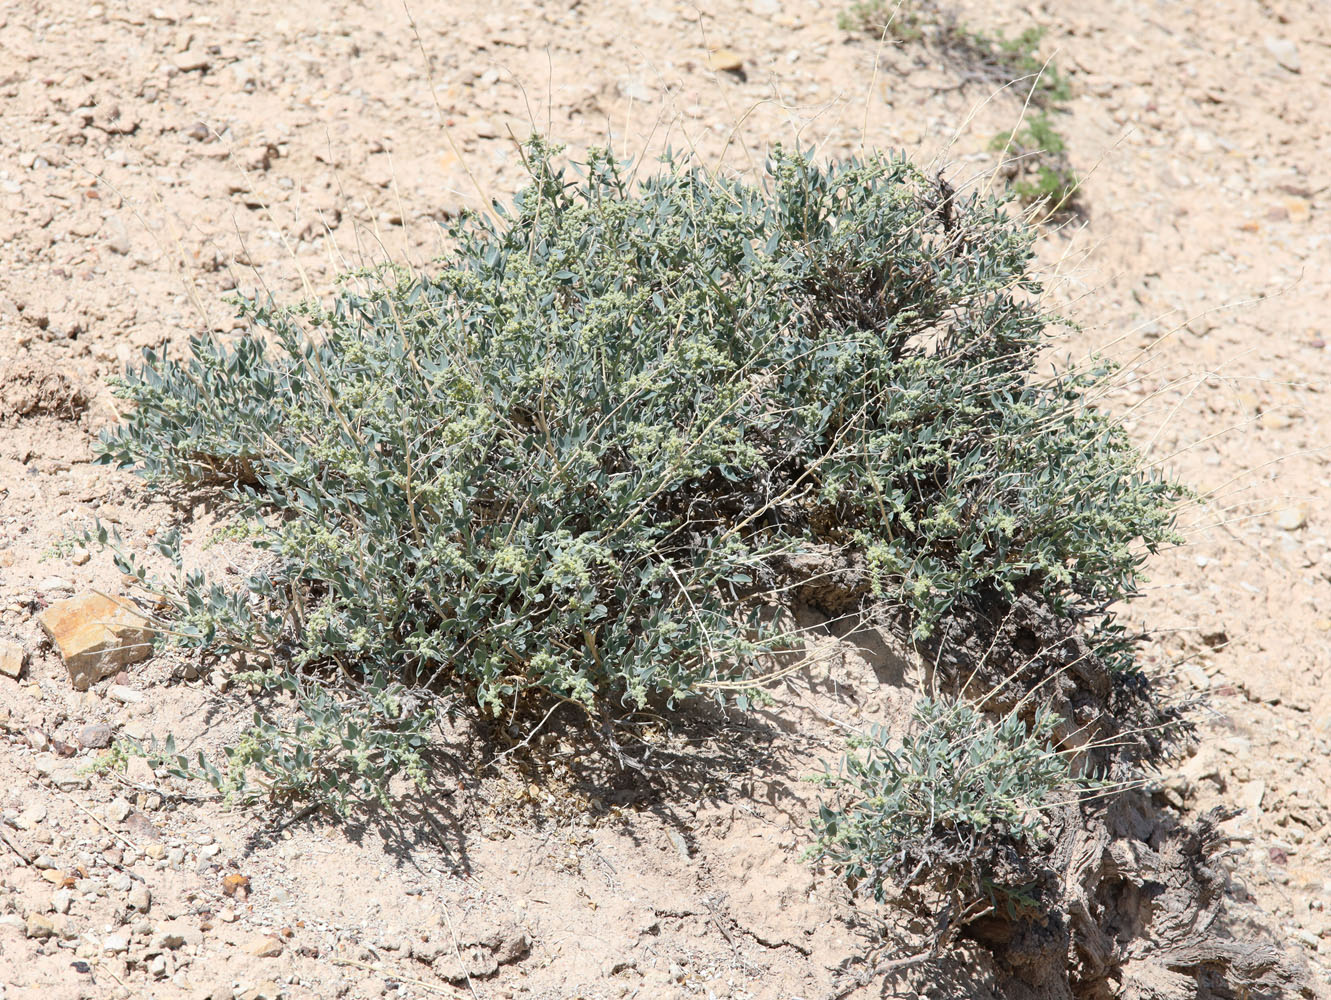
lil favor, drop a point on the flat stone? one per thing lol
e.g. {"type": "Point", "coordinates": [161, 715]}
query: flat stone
{"type": "Point", "coordinates": [264, 947]}
{"type": "Point", "coordinates": [191, 60]}
{"type": "Point", "coordinates": [13, 658]}
{"type": "Point", "coordinates": [1275, 421]}
{"type": "Point", "coordinates": [142, 827]}
{"type": "Point", "coordinates": [140, 899]}
{"type": "Point", "coordinates": [681, 845]}
{"type": "Point", "coordinates": [95, 735]}
{"type": "Point", "coordinates": [636, 90]}
{"type": "Point", "coordinates": [31, 816]}
{"type": "Point", "coordinates": [69, 778]}
{"type": "Point", "coordinates": [96, 636]}
{"type": "Point", "coordinates": [1250, 798]}
{"type": "Point", "coordinates": [39, 926]}
{"type": "Point", "coordinates": [726, 60]}
{"type": "Point", "coordinates": [1196, 676]}
{"type": "Point", "coordinates": [169, 940]}
{"type": "Point", "coordinates": [118, 810]}
{"type": "Point", "coordinates": [1291, 518]}
{"type": "Point", "coordinates": [114, 944]}
{"type": "Point", "coordinates": [1286, 53]}
{"type": "Point", "coordinates": [124, 695]}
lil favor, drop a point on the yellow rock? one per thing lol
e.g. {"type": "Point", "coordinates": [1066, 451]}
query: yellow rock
{"type": "Point", "coordinates": [1275, 421]}
{"type": "Point", "coordinates": [1298, 209]}
{"type": "Point", "coordinates": [726, 60]}
{"type": "Point", "coordinates": [96, 636]}
{"type": "Point", "coordinates": [264, 947]}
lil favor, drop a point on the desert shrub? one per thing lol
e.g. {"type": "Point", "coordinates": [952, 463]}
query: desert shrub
{"type": "Point", "coordinates": [1008, 60]}
{"type": "Point", "coordinates": [568, 464]}
{"type": "Point", "coordinates": [1037, 167]}
{"type": "Point", "coordinates": [903, 20]}
{"type": "Point", "coordinates": [946, 803]}
{"type": "Point", "coordinates": [995, 58]}
{"type": "Point", "coordinates": [1040, 173]}
{"type": "Point", "coordinates": [334, 749]}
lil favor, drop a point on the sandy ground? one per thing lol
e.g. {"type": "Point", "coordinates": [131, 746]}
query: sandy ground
{"type": "Point", "coordinates": [155, 159]}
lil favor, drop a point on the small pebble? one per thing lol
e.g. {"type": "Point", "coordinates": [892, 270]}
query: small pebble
{"type": "Point", "coordinates": [1196, 676]}
{"type": "Point", "coordinates": [95, 735]}
{"type": "Point", "coordinates": [140, 899]}
{"type": "Point", "coordinates": [1286, 53]}
{"type": "Point", "coordinates": [124, 695]}
{"type": "Point", "coordinates": [264, 947]}
{"type": "Point", "coordinates": [1291, 518]}
{"type": "Point", "coordinates": [31, 816]}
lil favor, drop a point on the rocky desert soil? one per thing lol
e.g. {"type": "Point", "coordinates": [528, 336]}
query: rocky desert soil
{"type": "Point", "coordinates": [156, 158]}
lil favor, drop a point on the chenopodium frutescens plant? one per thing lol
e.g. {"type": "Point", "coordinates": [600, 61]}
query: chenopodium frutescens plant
{"type": "Point", "coordinates": [943, 802]}
{"type": "Point", "coordinates": [564, 465]}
